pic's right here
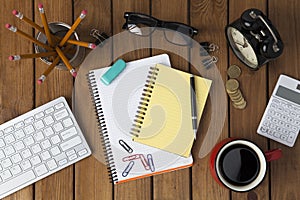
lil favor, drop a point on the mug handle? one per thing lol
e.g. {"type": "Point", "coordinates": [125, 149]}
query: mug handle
{"type": "Point", "coordinates": [273, 154]}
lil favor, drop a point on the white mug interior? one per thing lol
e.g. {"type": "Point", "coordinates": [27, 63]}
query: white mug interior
{"type": "Point", "coordinates": [261, 173]}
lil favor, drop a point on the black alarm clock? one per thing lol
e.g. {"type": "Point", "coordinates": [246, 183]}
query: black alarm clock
{"type": "Point", "coordinates": [253, 39]}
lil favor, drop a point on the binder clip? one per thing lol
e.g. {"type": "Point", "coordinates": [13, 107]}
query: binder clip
{"type": "Point", "coordinates": [207, 47]}
{"type": "Point", "coordinates": [100, 37]}
{"type": "Point", "coordinates": [207, 62]}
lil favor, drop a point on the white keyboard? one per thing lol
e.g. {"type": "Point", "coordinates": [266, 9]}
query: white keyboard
{"type": "Point", "coordinates": [281, 119]}
{"type": "Point", "coordinates": [37, 144]}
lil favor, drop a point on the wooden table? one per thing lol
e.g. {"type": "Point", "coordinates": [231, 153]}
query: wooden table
{"type": "Point", "coordinates": [89, 179]}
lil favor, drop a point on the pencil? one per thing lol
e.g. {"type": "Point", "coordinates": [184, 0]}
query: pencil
{"type": "Point", "coordinates": [48, 70]}
{"type": "Point", "coordinates": [33, 55]}
{"type": "Point", "coordinates": [73, 27]}
{"type": "Point", "coordinates": [66, 61]}
{"type": "Point", "coordinates": [45, 24]}
{"type": "Point", "coordinates": [81, 43]}
{"type": "Point", "coordinates": [15, 30]}
{"type": "Point", "coordinates": [25, 19]}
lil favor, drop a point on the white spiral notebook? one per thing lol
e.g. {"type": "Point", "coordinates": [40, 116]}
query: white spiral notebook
{"type": "Point", "coordinates": [116, 105]}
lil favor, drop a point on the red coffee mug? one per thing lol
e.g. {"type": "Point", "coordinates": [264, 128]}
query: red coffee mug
{"type": "Point", "coordinates": [239, 164]}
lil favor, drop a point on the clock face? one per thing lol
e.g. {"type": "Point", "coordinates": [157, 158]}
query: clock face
{"type": "Point", "coordinates": [241, 47]}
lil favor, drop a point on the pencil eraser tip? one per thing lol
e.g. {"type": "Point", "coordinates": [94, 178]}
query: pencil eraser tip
{"type": "Point", "coordinates": [7, 25]}
{"type": "Point", "coordinates": [15, 12]}
{"type": "Point", "coordinates": [93, 46]}
{"type": "Point", "coordinates": [74, 74]}
{"type": "Point", "coordinates": [39, 81]}
{"type": "Point", "coordinates": [10, 58]}
{"type": "Point", "coordinates": [40, 5]}
{"type": "Point", "coordinates": [84, 12]}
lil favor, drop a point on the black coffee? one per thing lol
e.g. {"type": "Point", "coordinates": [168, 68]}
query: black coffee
{"type": "Point", "coordinates": [239, 165]}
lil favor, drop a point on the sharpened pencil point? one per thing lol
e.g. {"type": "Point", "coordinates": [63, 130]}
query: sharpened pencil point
{"type": "Point", "coordinates": [15, 12]}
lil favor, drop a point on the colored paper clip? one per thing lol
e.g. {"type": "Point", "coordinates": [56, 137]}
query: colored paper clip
{"type": "Point", "coordinates": [128, 169]}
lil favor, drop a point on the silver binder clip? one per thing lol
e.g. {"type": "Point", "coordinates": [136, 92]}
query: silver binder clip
{"type": "Point", "coordinates": [100, 37]}
{"type": "Point", "coordinates": [207, 63]}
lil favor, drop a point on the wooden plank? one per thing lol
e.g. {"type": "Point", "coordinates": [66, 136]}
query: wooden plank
{"type": "Point", "coordinates": [243, 123]}
{"type": "Point", "coordinates": [58, 83]}
{"type": "Point", "coordinates": [210, 17]}
{"type": "Point", "coordinates": [91, 176]}
{"type": "Point", "coordinates": [138, 189]}
{"type": "Point", "coordinates": [176, 184]}
{"type": "Point", "coordinates": [285, 172]}
{"type": "Point", "coordinates": [16, 77]}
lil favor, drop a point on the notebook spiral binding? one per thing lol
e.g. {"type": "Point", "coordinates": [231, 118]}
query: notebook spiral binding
{"type": "Point", "coordinates": [144, 101]}
{"type": "Point", "coordinates": [102, 128]}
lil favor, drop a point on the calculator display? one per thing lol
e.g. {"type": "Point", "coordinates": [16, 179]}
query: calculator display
{"type": "Point", "coordinates": [288, 94]}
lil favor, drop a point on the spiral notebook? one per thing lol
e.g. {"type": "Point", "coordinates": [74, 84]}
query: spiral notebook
{"type": "Point", "coordinates": [116, 108]}
{"type": "Point", "coordinates": [164, 116]}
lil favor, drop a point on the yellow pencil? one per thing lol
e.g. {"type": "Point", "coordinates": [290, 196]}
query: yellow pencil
{"type": "Point", "coordinates": [73, 27]}
{"type": "Point", "coordinates": [32, 55]}
{"type": "Point", "coordinates": [48, 70]}
{"type": "Point", "coordinates": [15, 30]}
{"type": "Point", "coordinates": [25, 19]}
{"type": "Point", "coordinates": [81, 43]}
{"type": "Point", "coordinates": [45, 24]}
{"type": "Point", "coordinates": [66, 61]}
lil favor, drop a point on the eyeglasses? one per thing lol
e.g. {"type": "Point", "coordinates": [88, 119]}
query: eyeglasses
{"type": "Point", "coordinates": [144, 25]}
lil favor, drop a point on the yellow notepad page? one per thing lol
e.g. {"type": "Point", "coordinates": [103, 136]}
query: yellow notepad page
{"type": "Point", "coordinates": [164, 120]}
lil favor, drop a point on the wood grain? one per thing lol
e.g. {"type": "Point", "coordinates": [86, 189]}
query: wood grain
{"type": "Point", "coordinates": [58, 83]}
{"type": "Point", "coordinates": [243, 123]}
{"type": "Point", "coordinates": [91, 176]}
{"type": "Point", "coordinates": [285, 171]}
{"type": "Point", "coordinates": [141, 188]}
{"type": "Point", "coordinates": [210, 18]}
{"type": "Point", "coordinates": [16, 89]}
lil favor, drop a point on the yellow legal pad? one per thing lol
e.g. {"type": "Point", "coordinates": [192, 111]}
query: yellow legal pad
{"type": "Point", "coordinates": [164, 116]}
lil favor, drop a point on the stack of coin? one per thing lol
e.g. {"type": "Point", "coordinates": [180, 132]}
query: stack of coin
{"type": "Point", "coordinates": [232, 88]}
{"type": "Point", "coordinates": [234, 71]}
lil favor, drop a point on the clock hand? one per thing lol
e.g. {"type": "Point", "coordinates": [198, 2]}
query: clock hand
{"type": "Point", "coordinates": [245, 43]}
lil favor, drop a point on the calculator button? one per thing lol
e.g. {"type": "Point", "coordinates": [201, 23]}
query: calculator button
{"type": "Point", "coordinates": [293, 114]}
{"type": "Point", "coordinates": [263, 129]}
{"type": "Point", "coordinates": [272, 126]}
{"type": "Point", "coordinates": [268, 117]}
{"type": "Point", "coordinates": [275, 120]}
{"type": "Point", "coordinates": [271, 112]}
{"type": "Point", "coordinates": [276, 134]}
{"type": "Point", "coordinates": [278, 115]}
{"type": "Point", "coordinates": [273, 105]}
{"type": "Point", "coordinates": [283, 117]}
{"type": "Point", "coordinates": [283, 137]}
{"type": "Point", "coordinates": [291, 137]}
{"type": "Point", "coordinates": [294, 128]}
{"type": "Point", "coordinates": [280, 108]}
{"type": "Point", "coordinates": [276, 101]}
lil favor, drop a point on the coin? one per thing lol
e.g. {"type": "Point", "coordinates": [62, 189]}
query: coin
{"type": "Point", "coordinates": [240, 106]}
{"type": "Point", "coordinates": [232, 85]}
{"type": "Point", "coordinates": [234, 71]}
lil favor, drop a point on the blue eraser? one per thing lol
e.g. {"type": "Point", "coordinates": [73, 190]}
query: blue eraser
{"type": "Point", "coordinates": [113, 72]}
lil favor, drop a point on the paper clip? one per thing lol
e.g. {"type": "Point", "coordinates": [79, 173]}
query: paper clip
{"type": "Point", "coordinates": [100, 37]}
{"type": "Point", "coordinates": [128, 169]}
{"type": "Point", "coordinates": [210, 47]}
{"type": "Point", "coordinates": [151, 163]}
{"type": "Point", "coordinates": [207, 63]}
{"type": "Point", "coordinates": [125, 146]}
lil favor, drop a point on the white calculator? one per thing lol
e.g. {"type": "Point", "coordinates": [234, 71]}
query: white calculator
{"type": "Point", "coordinates": [281, 119]}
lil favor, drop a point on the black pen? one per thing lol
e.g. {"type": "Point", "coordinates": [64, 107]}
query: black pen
{"type": "Point", "coordinates": [193, 104]}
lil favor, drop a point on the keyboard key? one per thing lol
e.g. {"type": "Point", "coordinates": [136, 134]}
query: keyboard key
{"type": "Point", "coordinates": [55, 139]}
{"type": "Point", "coordinates": [2, 155]}
{"type": "Point", "coordinates": [29, 120]}
{"type": "Point", "coordinates": [55, 151]}
{"type": "Point", "coordinates": [19, 125]}
{"type": "Point", "coordinates": [19, 145]}
{"type": "Point", "coordinates": [67, 122]}
{"type": "Point", "coordinates": [16, 170]}
{"type": "Point", "coordinates": [51, 164]}
{"type": "Point", "coordinates": [48, 131]}
{"type": "Point", "coordinates": [26, 153]}
{"type": "Point", "coordinates": [29, 141]}
{"type": "Point", "coordinates": [61, 114]}
{"type": "Point", "coordinates": [8, 129]}
{"type": "Point", "coordinates": [28, 129]}
{"type": "Point", "coordinates": [63, 162]}
{"type": "Point", "coordinates": [1, 133]}
{"type": "Point", "coordinates": [45, 155]}
{"type": "Point", "coordinates": [49, 110]}
{"type": "Point", "coordinates": [2, 143]}
{"type": "Point", "coordinates": [48, 120]}
{"type": "Point", "coordinates": [38, 136]}
{"type": "Point", "coordinates": [5, 175]}
{"type": "Point", "coordinates": [68, 133]}
{"type": "Point", "coordinates": [82, 152]}
{"type": "Point", "coordinates": [58, 127]}
{"type": "Point", "coordinates": [35, 160]}
{"type": "Point", "coordinates": [41, 170]}
{"type": "Point", "coordinates": [39, 125]}
{"type": "Point", "coordinates": [70, 143]}
{"type": "Point", "coordinates": [25, 164]}
{"type": "Point", "coordinates": [59, 106]}
{"type": "Point", "coordinates": [6, 163]}
{"type": "Point", "coordinates": [19, 134]}
{"type": "Point", "coordinates": [8, 150]}
{"type": "Point", "coordinates": [72, 157]}
{"type": "Point", "coordinates": [46, 144]}
{"type": "Point", "coordinates": [16, 158]}
{"type": "Point", "coordinates": [36, 148]}
{"type": "Point", "coordinates": [68, 153]}
{"type": "Point", "coordinates": [39, 115]}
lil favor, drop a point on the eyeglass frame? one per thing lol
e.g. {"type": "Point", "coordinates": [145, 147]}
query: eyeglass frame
{"type": "Point", "coordinates": [160, 24]}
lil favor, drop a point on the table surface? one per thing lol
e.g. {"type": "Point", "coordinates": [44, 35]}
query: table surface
{"type": "Point", "coordinates": [88, 179]}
